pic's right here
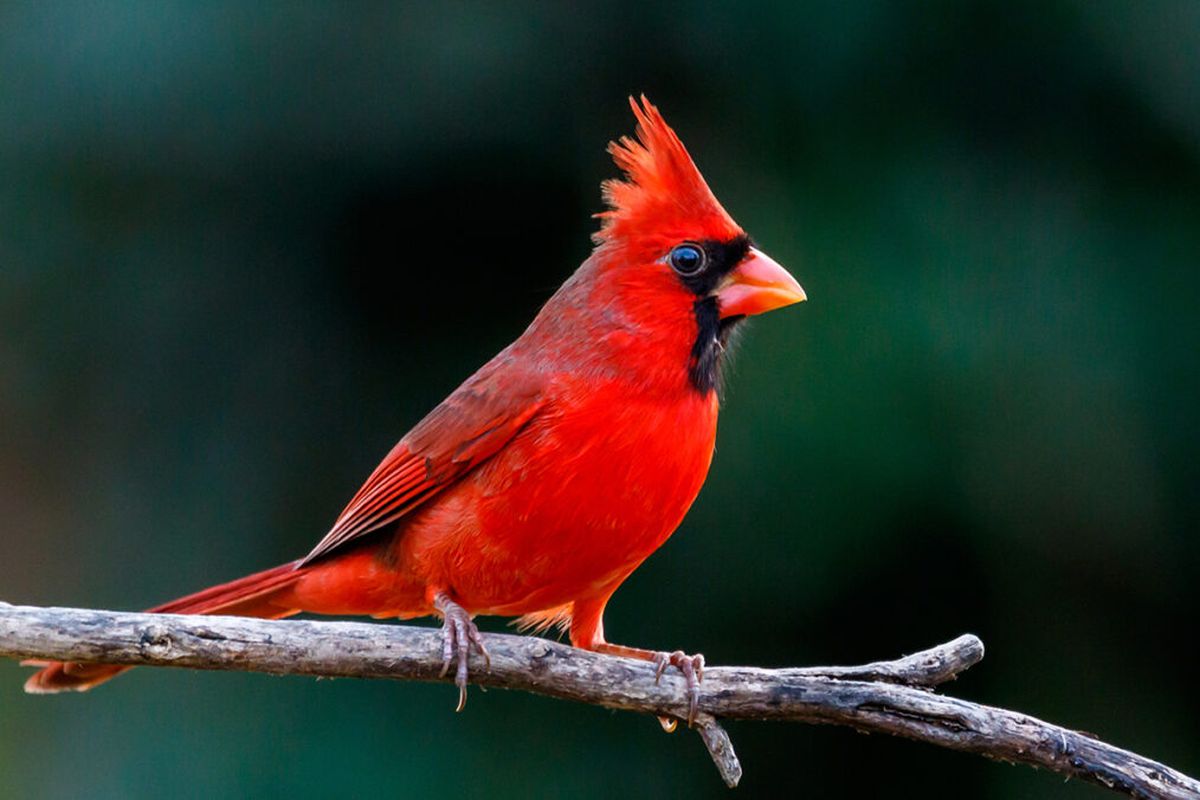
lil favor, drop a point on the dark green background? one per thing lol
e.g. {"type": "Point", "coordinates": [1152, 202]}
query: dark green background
{"type": "Point", "coordinates": [244, 246]}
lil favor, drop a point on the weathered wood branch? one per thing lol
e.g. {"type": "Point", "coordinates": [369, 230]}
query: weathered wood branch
{"type": "Point", "coordinates": [892, 697]}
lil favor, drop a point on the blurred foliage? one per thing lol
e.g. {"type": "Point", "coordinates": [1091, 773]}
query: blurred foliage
{"type": "Point", "coordinates": [244, 246]}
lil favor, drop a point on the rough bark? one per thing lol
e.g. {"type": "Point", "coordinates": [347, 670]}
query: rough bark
{"type": "Point", "coordinates": [893, 697]}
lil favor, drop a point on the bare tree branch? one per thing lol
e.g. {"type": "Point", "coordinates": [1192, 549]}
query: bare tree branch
{"type": "Point", "coordinates": [887, 697]}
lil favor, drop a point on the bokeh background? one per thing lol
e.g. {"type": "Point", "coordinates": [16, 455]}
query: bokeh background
{"type": "Point", "coordinates": [244, 246]}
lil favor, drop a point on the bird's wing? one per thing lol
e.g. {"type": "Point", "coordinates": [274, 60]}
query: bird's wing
{"type": "Point", "coordinates": [467, 428]}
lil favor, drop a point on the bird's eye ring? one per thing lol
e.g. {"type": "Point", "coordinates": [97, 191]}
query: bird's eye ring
{"type": "Point", "coordinates": [687, 259]}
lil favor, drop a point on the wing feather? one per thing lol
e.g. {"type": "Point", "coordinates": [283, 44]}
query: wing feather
{"type": "Point", "coordinates": [466, 429]}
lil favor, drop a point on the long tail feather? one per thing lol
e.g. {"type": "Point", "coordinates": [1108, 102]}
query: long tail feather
{"type": "Point", "coordinates": [250, 596]}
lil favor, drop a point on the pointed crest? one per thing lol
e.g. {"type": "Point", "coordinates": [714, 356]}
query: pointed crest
{"type": "Point", "coordinates": [662, 190]}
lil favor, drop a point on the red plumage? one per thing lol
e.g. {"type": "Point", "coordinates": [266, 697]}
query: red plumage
{"type": "Point", "coordinates": [544, 480]}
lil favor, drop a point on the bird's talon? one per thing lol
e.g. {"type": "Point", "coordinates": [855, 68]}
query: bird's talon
{"type": "Point", "coordinates": [661, 661]}
{"type": "Point", "coordinates": [462, 699]}
{"type": "Point", "coordinates": [458, 634]}
{"type": "Point", "coordinates": [477, 640]}
{"type": "Point", "coordinates": [448, 638]}
{"type": "Point", "coordinates": [692, 668]}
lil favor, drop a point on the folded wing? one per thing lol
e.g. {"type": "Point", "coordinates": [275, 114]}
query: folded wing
{"type": "Point", "coordinates": [466, 429]}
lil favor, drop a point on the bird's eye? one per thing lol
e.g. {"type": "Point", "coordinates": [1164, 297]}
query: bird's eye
{"type": "Point", "coordinates": [686, 259]}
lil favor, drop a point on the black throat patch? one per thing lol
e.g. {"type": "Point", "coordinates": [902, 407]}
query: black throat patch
{"type": "Point", "coordinates": [713, 336]}
{"type": "Point", "coordinates": [712, 333]}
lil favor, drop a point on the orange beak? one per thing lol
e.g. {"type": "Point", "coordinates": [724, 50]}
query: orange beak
{"type": "Point", "coordinates": [757, 285]}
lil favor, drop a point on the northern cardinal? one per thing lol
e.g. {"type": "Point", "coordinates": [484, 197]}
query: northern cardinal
{"type": "Point", "coordinates": [543, 481]}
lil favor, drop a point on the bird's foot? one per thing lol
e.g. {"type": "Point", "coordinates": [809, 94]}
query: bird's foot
{"type": "Point", "coordinates": [459, 632]}
{"type": "Point", "coordinates": [692, 668]}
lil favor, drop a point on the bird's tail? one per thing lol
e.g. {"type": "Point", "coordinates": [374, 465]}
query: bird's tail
{"type": "Point", "coordinates": [250, 596]}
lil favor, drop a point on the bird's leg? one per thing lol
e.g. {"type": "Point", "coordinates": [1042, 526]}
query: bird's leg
{"type": "Point", "coordinates": [458, 634]}
{"type": "Point", "coordinates": [692, 668]}
{"type": "Point", "coordinates": [587, 631]}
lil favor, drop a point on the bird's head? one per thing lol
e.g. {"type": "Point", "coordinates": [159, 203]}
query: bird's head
{"type": "Point", "coordinates": [679, 263]}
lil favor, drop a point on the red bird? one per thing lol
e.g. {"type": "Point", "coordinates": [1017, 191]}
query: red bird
{"type": "Point", "coordinates": [541, 483]}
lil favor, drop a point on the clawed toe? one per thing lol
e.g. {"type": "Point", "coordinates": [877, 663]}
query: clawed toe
{"type": "Point", "coordinates": [459, 633]}
{"type": "Point", "coordinates": [692, 667]}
